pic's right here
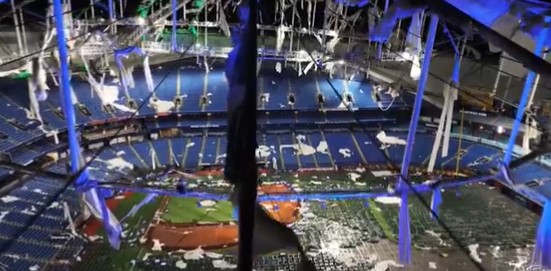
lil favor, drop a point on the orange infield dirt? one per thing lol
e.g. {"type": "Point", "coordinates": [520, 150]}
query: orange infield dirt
{"type": "Point", "coordinates": [273, 189]}
{"type": "Point", "coordinates": [176, 237]}
{"type": "Point", "coordinates": [93, 225]}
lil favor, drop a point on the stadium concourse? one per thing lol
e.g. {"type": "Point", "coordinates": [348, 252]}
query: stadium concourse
{"type": "Point", "coordinates": [305, 146]}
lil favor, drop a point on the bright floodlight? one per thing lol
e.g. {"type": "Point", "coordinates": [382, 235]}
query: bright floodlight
{"type": "Point", "coordinates": [500, 130]}
{"type": "Point", "coordinates": [140, 21]}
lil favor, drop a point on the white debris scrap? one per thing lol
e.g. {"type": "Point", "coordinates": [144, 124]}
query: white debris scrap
{"type": "Point", "coordinates": [181, 264]}
{"type": "Point", "coordinates": [35, 267]}
{"type": "Point", "coordinates": [195, 254]}
{"type": "Point", "coordinates": [432, 265]}
{"type": "Point", "coordinates": [323, 147]}
{"type": "Point", "coordinates": [207, 203]}
{"type": "Point", "coordinates": [54, 204]}
{"type": "Point", "coordinates": [8, 199]}
{"type": "Point", "coordinates": [146, 256]}
{"type": "Point", "coordinates": [384, 265]}
{"type": "Point", "coordinates": [117, 163]}
{"type": "Point", "coordinates": [3, 214]}
{"type": "Point", "coordinates": [157, 245]}
{"type": "Point", "coordinates": [389, 200]}
{"type": "Point", "coordinates": [519, 264]}
{"type": "Point", "coordinates": [263, 151]}
{"type": "Point", "coordinates": [39, 191]}
{"type": "Point", "coordinates": [346, 153]}
{"type": "Point", "coordinates": [354, 176]}
{"type": "Point", "coordinates": [213, 255]}
{"type": "Point", "coordinates": [382, 173]}
{"type": "Point", "coordinates": [438, 236]}
{"type": "Point", "coordinates": [222, 264]}
{"type": "Point", "coordinates": [94, 237]}
{"type": "Point", "coordinates": [495, 251]}
{"type": "Point", "coordinates": [473, 252]}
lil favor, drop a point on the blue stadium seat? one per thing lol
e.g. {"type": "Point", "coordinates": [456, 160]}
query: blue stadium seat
{"type": "Point", "coordinates": [12, 262]}
{"type": "Point", "coordinates": [286, 146]}
{"type": "Point", "coordinates": [529, 172]}
{"type": "Point", "coordinates": [306, 160]}
{"type": "Point", "coordinates": [192, 150]}
{"type": "Point", "coordinates": [322, 157]}
{"type": "Point", "coordinates": [162, 150]}
{"type": "Point", "coordinates": [277, 94]}
{"type": "Point", "coordinates": [23, 156]}
{"type": "Point", "coordinates": [343, 149]}
{"type": "Point", "coordinates": [210, 150]}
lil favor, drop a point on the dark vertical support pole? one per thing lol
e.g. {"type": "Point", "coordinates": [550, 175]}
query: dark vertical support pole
{"type": "Point", "coordinates": [248, 173]}
{"type": "Point", "coordinates": [65, 85]}
{"type": "Point", "coordinates": [404, 237]}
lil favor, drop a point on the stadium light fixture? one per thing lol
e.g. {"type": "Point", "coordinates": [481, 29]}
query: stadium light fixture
{"type": "Point", "coordinates": [140, 21]}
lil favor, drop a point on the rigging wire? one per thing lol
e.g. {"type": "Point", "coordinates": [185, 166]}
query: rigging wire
{"type": "Point", "coordinates": [437, 218]}
{"type": "Point", "coordinates": [141, 105]}
{"type": "Point", "coordinates": [466, 93]}
{"type": "Point", "coordinates": [465, 55]}
{"type": "Point", "coordinates": [92, 30]}
{"type": "Point", "coordinates": [88, 162]}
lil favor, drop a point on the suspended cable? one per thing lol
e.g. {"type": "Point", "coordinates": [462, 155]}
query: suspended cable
{"type": "Point", "coordinates": [71, 39]}
{"type": "Point", "coordinates": [466, 93]}
{"type": "Point", "coordinates": [426, 204]}
{"type": "Point", "coordinates": [5, 246]}
{"type": "Point", "coordinates": [464, 55]}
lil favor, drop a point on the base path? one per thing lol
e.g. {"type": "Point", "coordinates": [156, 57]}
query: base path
{"type": "Point", "coordinates": [191, 237]}
{"type": "Point", "coordinates": [223, 235]}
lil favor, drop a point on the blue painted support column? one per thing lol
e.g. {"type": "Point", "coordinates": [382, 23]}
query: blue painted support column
{"type": "Point", "coordinates": [173, 37]}
{"type": "Point", "coordinates": [456, 68]}
{"type": "Point", "coordinates": [65, 85]}
{"type": "Point", "coordinates": [540, 44]}
{"type": "Point", "coordinates": [111, 10]}
{"type": "Point", "coordinates": [94, 200]}
{"type": "Point", "coordinates": [404, 238]}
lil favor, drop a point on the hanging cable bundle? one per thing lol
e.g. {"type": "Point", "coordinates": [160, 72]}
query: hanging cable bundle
{"type": "Point", "coordinates": [280, 38]}
{"type": "Point", "coordinates": [129, 76]}
{"type": "Point", "coordinates": [38, 80]}
{"type": "Point", "coordinates": [125, 74]}
{"type": "Point", "coordinates": [147, 74]}
{"type": "Point", "coordinates": [413, 45]}
{"type": "Point", "coordinates": [34, 106]}
{"type": "Point", "coordinates": [97, 87]}
{"type": "Point", "coordinates": [399, 10]}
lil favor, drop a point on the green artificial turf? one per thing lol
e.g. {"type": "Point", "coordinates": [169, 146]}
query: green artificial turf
{"type": "Point", "coordinates": [121, 259]}
{"type": "Point", "coordinates": [381, 220]}
{"type": "Point", "coordinates": [145, 213]}
{"type": "Point", "coordinates": [186, 210]}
